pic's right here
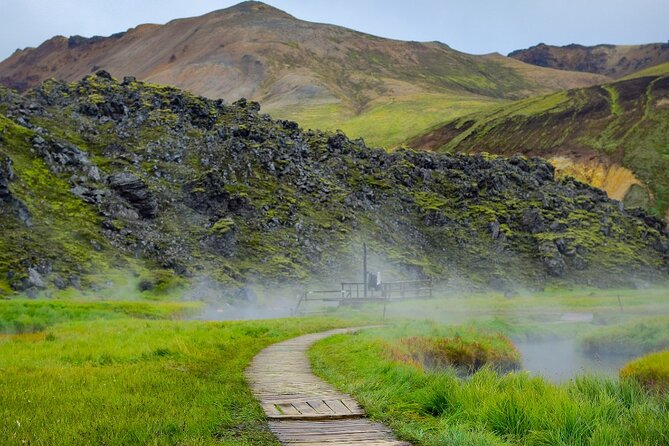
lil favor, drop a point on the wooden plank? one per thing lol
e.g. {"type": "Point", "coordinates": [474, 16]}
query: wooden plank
{"type": "Point", "coordinates": [270, 409]}
{"type": "Point", "coordinates": [304, 408]}
{"type": "Point", "coordinates": [338, 407]}
{"type": "Point", "coordinates": [320, 407]}
{"type": "Point", "coordinates": [352, 405]}
{"type": "Point", "coordinates": [287, 409]}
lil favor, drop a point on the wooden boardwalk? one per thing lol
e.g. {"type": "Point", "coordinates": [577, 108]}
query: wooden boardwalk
{"type": "Point", "coordinates": [301, 408]}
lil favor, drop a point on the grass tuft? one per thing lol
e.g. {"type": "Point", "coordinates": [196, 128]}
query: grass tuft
{"type": "Point", "coordinates": [651, 371]}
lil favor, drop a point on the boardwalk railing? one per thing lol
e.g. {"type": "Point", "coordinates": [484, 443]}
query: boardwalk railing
{"type": "Point", "coordinates": [404, 289]}
{"type": "Point", "coordinates": [354, 292]}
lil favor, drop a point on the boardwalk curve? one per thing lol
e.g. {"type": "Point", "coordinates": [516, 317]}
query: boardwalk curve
{"type": "Point", "coordinates": [303, 409]}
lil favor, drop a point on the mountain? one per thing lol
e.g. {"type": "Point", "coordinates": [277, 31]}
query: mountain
{"type": "Point", "coordinates": [615, 136]}
{"type": "Point", "coordinates": [322, 75]}
{"type": "Point", "coordinates": [615, 61]}
{"type": "Point", "coordinates": [101, 180]}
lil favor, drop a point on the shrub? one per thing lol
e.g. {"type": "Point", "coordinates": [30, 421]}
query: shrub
{"type": "Point", "coordinates": [466, 352]}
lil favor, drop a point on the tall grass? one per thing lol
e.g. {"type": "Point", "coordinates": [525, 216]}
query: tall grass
{"type": "Point", "coordinates": [437, 407]}
{"type": "Point", "coordinates": [465, 350]}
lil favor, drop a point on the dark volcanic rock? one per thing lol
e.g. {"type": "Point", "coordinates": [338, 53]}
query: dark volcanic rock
{"type": "Point", "coordinates": [17, 206]}
{"type": "Point", "coordinates": [532, 221]}
{"type": "Point", "coordinates": [135, 192]}
{"type": "Point", "coordinates": [552, 259]}
{"type": "Point", "coordinates": [6, 175]}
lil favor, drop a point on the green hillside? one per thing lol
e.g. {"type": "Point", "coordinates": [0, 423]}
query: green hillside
{"type": "Point", "coordinates": [656, 70]}
{"type": "Point", "coordinates": [388, 122]}
{"type": "Point", "coordinates": [625, 123]}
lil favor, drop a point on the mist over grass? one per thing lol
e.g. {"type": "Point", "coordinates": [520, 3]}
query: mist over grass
{"type": "Point", "coordinates": [631, 338]}
{"type": "Point", "coordinates": [553, 329]}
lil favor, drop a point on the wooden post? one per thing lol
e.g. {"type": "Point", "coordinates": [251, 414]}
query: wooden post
{"type": "Point", "coordinates": [303, 297]}
{"type": "Point", "coordinates": [364, 269]}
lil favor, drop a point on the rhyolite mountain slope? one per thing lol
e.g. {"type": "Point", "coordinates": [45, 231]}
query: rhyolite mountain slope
{"type": "Point", "coordinates": [615, 61]}
{"type": "Point", "coordinates": [101, 176]}
{"type": "Point", "coordinates": [322, 75]}
{"type": "Point", "coordinates": [615, 135]}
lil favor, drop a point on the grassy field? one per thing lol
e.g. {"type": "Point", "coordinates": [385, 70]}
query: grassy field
{"type": "Point", "coordinates": [119, 378]}
{"type": "Point", "coordinates": [140, 372]}
{"type": "Point", "coordinates": [657, 70]}
{"type": "Point", "coordinates": [388, 122]}
{"type": "Point", "coordinates": [20, 316]}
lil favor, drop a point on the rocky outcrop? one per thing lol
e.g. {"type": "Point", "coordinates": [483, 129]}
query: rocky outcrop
{"type": "Point", "coordinates": [6, 175]}
{"type": "Point", "coordinates": [62, 157]}
{"type": "Point", "coordinates": [17, 207]}
{"type": "Point", "coordinates": [135, 192]}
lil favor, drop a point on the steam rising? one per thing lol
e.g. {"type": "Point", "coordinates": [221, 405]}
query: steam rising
{"type": "Point", "coordinates": [546, 332]}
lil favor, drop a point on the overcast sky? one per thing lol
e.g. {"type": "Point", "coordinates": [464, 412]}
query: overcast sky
{"type": "Point", "coordinates": [473, 26]}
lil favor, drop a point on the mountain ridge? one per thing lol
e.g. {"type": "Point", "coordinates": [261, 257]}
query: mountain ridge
{"type": "Point", "coordinates": [616, 61]}
{"type": "Point", "coordinates": [256, 51]}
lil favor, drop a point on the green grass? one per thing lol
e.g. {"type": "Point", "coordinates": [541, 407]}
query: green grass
{"type": "Point", "coordinates": [387, 122]}
{"type": "Point", "coordinates": [123, 380]}
{"type": "Point", "coordinates": [657, 70]}
{"type": "Point", "coordinates": [651, 371]}
{"type": "Point", "coordinates": [438, 408]}
{"type": "Point", "coordinates": [30, 316]}
{"type": "Point", "coordinates": [613, 100]}
{"type": "Point", "coordinates": [632, 338]}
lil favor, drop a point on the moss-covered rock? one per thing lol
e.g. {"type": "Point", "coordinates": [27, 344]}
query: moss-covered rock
{"type": "Point", "coordinates": [113, 174]}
